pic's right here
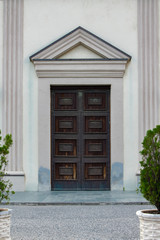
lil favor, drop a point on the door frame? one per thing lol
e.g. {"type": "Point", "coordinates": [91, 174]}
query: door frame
{"type": "Point", "coordinates": [44, 128]}
{"type": "Point", "coordinates": [107, 70]}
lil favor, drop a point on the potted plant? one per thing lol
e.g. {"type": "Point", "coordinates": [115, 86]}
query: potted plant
{"type": "Point", "coordinates": [5, 187]}
{"type": "Point", "coordinates": [150, 184]}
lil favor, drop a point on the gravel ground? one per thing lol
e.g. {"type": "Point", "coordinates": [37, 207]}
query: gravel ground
{"type": "Point", "coordinates": [108, 222]}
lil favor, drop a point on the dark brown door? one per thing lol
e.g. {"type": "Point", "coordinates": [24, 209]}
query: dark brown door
{"type": "Point", "coordinates": [80, 138]}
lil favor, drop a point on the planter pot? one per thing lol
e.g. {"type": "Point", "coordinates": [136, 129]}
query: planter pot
{"type": "Point", "coordinates": [5, 215]}
{"type": "Point", "coordinates": [149, 224]}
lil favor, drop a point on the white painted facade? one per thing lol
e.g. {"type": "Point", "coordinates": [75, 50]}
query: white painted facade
{"type": "Point", "coordinates": [46, 21]}
{"type": "Point", "coordinates": [1, 59]}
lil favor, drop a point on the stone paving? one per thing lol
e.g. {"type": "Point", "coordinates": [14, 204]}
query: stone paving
{"type": "Point", "coordinates": [77, 222]}
{"type": "Point", "coordinates": [73, 215]}
{"type": "Point", "coordinates": [78, 197]}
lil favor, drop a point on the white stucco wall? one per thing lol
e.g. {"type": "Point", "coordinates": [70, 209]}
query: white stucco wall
{"type": "Point", "coordinates": [114, 21]}
{"type": "Point", "coordinates": [1, 58]}
{"type": "Point", "coordinates": [131, 107]}
{"type": "Point", "coordinates": [159, 53]}
{"type": "Point", "coordinates": [131, 157]}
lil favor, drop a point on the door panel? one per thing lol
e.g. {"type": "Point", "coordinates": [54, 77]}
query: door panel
{"type": "Point", "coordinates": [65, 147]}
{"type": "Point", "coordinates": [95, 171]}
{"type": "Point", "coordinates": [95, 101]}
{"type": "Point", "coordinates": [66, 171]}
{"type": "Point", "coordinates": [65, 101]}
{"type": "Point", "coordinates": [95, 124]}
{"type": "Point", "coordinates": [65, 124]}
{"type": "Point", "coordinates": [80, 138]}
{"type": "Point", "coordinates": [95, 147]}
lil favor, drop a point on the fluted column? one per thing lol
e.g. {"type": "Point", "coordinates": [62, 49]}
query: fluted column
{"type": "Point", "coordinates": [12, 105]}
{"type": "Point", "coordinates": [148, 65]}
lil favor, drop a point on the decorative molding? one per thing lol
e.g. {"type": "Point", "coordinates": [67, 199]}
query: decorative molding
{"type": "Point", "coordinates": [78, 69]}
{"type": "Point", "coordinates": [48, 65]}
{"type": "Point", "coordinates": [12, 121]}
{"type": "Point", "coordinates": [148, 65]}
{"type": "Point", "coordinates": [80, 36]}
{"type": "Point", "coordinates": [15, 173]}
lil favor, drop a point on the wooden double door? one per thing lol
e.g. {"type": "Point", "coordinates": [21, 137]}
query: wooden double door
{"type": "Point", "coordinates": [80, 138]}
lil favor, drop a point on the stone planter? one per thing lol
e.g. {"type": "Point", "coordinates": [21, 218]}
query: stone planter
{"type": "Point", "coordinates": [5, 215]}
{"type": "Point", "coordinates": [149, 225]}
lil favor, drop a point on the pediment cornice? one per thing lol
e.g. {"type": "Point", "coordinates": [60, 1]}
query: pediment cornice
{"type": "Point", "coordinates": [80, 36]}
{"type": "Point", "coordinates": [49, 62]}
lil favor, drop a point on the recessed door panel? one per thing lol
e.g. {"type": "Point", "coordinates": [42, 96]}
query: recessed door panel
{"type": "Point", "coordinates": [65, 147]}
{"type": "Point", "coordinates": [95, 101]}
{"type": "Point", "coordinates": [95, 171]}
{"type": "Point", "coordinates": [95, 124]}
{"type": "Point", "coordinates": [65, 101]}
{"type": "Point", "coordinates": [65, 171]}
{"type": "Point", "coordinates": [95, 147]}
{"type": "Point", "coordinates": [65, 124]}
{"type": "Point", "coordinates": [80, 138]}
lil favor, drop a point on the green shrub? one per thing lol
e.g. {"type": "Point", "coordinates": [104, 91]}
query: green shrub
{"type": "Point", "coordinates": [150, 167]}
{"type": "Point", "coordinates": [5, 185]}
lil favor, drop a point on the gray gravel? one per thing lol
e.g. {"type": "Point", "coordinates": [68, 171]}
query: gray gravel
{"type": "Point", "coordinates": [108, 222]}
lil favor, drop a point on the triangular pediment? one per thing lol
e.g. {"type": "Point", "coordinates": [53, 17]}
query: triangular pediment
{"type": "Point", "coordinates": [80, 52]}
{"type": "Point", "coordinates": [80, 44]}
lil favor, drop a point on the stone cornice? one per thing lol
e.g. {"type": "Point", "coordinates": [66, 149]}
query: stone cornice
{"type": "Point", "coordinates": [85, 68]}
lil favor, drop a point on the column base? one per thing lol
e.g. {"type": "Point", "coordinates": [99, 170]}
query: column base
{"type": "Point", "coordinates": [17, 179]}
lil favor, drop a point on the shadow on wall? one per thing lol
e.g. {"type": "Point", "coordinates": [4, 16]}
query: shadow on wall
{"type": "Point", "coordinates": [44, 176]}
{"type": "Point", "coordinates": [117, 176]}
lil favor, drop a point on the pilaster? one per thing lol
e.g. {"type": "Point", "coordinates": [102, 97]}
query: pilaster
{"type": "Point", "coordinates": [12, 105]}
{"type": "Point", "coordinates": [148, 65]}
